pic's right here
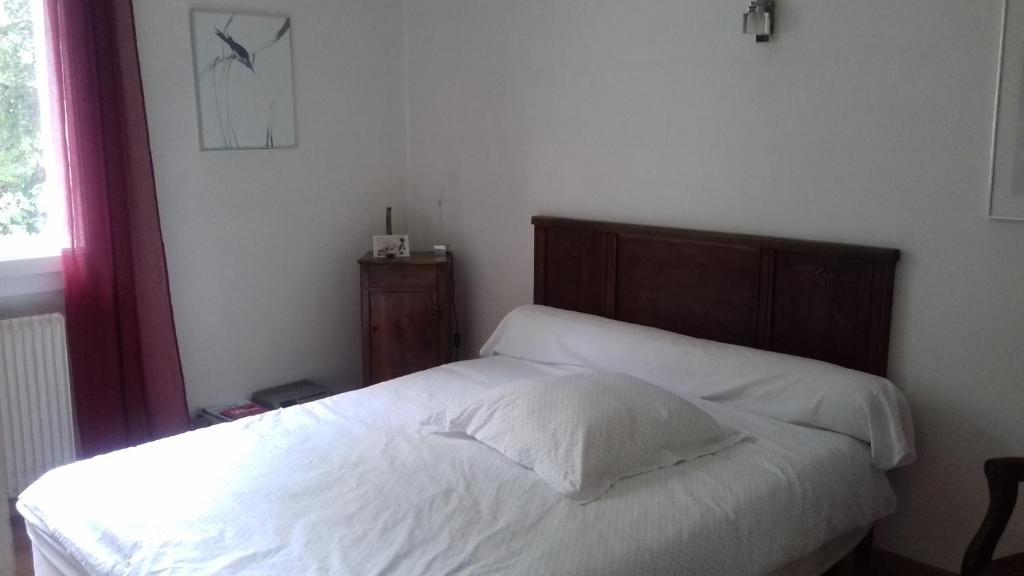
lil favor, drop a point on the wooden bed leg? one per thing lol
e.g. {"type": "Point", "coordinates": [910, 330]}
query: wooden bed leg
{"type": "Point", "coordinates": [862, 554]}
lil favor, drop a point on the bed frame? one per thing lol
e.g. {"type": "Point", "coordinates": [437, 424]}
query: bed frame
{"type": "Point", "coordinates": [820, 300]}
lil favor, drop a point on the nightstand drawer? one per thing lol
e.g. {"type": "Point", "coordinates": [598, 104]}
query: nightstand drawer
{"type": "Point", "coordinates": [382, 276]}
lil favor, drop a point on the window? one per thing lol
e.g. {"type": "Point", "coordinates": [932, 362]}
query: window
{"type": "Point", "coordinates": [31, 206]}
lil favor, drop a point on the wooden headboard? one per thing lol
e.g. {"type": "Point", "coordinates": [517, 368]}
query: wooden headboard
{"type": "Point", "coordinates": [821, 300]}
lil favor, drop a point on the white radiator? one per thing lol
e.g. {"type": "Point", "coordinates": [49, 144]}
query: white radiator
{"type": "Point", "coordinates": [35, 399]}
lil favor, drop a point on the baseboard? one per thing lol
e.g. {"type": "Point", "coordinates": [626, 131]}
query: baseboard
{"type": "Point", "coordinates": [885, 563]}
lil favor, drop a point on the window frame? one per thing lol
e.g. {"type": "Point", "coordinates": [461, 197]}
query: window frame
{"type": "Point", "coordinates": [32, 275]}
{"type": "Point", "coordinates": [39, 255]}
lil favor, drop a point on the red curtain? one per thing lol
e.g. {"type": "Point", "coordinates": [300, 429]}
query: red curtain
{"type": "Point", "coordinates": [126, 372]}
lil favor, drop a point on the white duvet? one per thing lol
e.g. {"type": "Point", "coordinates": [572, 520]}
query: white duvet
{"type": "Point", "coordinates": [351, 485]}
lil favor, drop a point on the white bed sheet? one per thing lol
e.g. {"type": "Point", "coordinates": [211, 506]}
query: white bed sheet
{"type": "Point", "coordinates": [352, 485]}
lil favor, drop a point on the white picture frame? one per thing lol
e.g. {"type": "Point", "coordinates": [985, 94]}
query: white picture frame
{"type": "Point", "coordinates": [1005, 199]}
{"type": "Point", "coordinates": [245, 94]}
{"type": "Point", "coordinates": [391, 246]}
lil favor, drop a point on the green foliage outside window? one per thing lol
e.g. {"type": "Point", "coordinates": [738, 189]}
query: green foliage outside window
{"type": "Point", "coordinates": [21, 156]}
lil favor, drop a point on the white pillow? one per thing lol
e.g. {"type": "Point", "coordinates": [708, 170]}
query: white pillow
{"type": "Point", "coordinates": [789, 388]}
{"type": "Point", "coordinates": [583, 432]}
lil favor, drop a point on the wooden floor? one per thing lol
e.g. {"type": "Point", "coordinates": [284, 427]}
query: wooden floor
{"type": "Point", "coordinates": [22, 548]}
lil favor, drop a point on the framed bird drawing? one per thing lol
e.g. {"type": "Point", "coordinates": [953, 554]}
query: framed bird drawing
{"type": "Point", "coordinates": [244, 83]}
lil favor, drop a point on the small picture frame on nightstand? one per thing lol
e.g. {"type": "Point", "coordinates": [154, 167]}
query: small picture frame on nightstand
{"type": "Point", "coordinates": [391, 246]}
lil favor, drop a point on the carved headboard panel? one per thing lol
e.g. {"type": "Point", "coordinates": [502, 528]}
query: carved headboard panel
{"type": "Point", "coordinates": [821, 300]}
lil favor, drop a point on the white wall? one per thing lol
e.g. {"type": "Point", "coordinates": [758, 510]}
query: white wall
{"type": "Point", "coordinates": [262, 245]}
{"type": "Point", "coordinates": [865, 122]}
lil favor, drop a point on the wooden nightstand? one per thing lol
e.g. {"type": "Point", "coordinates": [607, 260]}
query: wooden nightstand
{"type": "Point", "coordinates": [407, 314]}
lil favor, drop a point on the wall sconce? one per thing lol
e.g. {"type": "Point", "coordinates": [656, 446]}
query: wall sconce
{"type": "Point", "coordinates": [758, 19]}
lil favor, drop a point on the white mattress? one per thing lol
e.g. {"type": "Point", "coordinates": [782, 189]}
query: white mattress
{"type": "Point", "coordinates": [351, 485]}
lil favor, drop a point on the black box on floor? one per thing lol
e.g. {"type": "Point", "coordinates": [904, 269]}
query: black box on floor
{"type": "Point", "coordinates": [290, 394]}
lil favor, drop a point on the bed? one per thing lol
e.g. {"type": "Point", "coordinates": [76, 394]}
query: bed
{"type": "Point", "coordinates": [354, 485]}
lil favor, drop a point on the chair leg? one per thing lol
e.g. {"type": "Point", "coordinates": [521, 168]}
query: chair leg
{"type": "Point", "coordinates": [1003, 475]}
